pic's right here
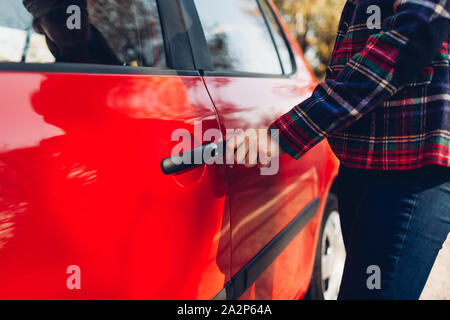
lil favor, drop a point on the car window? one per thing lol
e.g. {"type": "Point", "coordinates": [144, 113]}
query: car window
{"type": "Point", "coordinates": [278, 36]}
{"type": "Point", "coordinates": [238, 37]}
{"type": "Point", "coordinates": [106, 32]}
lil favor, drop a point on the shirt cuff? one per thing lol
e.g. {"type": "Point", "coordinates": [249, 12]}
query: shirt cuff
{"type": "Point", "coordinates": [295, 132]}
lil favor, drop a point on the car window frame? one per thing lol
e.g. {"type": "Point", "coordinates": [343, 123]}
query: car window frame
{"type": "Point", "coordinates": [271, 7]}
{"type": "Point", "coordinates": [177, 50]}
{"type": "Point", "coordinates": [199, 41]}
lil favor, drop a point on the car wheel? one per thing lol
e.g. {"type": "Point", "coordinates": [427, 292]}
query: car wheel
{"type": "Point", "coordinates": [330, 256]}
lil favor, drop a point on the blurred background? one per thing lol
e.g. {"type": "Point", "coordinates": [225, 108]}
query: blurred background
{"type": "Point", "coordinates": [314, 23]}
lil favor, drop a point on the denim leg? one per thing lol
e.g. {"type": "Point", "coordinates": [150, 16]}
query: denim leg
{"type": "Point", "coordinates": [428, 229]}
{"type": "Point", "coordinates": [396, 222]}
{"type": "Point", "coordinates": [350, 198]}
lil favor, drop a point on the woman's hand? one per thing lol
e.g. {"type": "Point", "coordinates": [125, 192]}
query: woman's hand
{"type": "Point", "coordinates": [253, 147]}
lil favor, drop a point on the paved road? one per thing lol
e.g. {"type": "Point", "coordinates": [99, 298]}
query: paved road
{"type": "Point", "coordinates": [438, 284]}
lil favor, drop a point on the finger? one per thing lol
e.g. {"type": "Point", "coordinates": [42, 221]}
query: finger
{"type": "Point", "coordinates": [252, 158]}
{"type": "Point", "coordinates": [240, 143]}
{"type": "Point", "coordinates": [253, 149]}
{"type": "Point", "coordinates": [241, 152]}
{"type": "Point", "coordinates": [265, 163]}
{"type": "Point", "coordinates": [264, 156]}
{"type": "Point", "coordinates": [230, 149]}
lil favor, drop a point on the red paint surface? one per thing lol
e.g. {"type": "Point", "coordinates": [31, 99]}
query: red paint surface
{"type": "Point", "coordinates": [81, 184]}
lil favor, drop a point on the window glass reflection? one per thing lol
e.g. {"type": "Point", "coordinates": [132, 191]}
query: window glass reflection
{"type": "Point", "coordinates": [110, 32]}
{"type": "Point", "coordinates": [237, 36]}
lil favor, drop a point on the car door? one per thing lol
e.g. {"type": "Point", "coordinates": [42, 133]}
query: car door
{"type": "Point", "coordinates": [85, 209]}
{"type": "Point", "coordinates": [253, 76]}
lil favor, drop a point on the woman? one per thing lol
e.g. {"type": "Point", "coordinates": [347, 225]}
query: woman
{"type": "Point", "coordinates": [384, 109]}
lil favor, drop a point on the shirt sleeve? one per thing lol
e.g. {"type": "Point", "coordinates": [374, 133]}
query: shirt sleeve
{"type": "Point", "coordinates": [405, 45]}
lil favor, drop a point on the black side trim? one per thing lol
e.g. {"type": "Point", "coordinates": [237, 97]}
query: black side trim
{"type": "Point", "coordinates": [196, 35]}
{"type": "Point", "coordinates": [251, 272]}
{"type": "Point", "coordinates": [91, 69]}
{"type": "Point", "coordinates": [177, 46]}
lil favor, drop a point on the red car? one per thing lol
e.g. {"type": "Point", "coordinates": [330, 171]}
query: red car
{"type": "Point", "coordinates": [88, 113]}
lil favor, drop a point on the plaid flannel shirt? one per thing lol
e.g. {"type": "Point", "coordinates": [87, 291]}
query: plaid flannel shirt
{"type": "Point", "coordinates": [384, 102]}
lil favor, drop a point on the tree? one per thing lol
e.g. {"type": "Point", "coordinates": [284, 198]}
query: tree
{"type": "Point", "coordinates": [314, 24]}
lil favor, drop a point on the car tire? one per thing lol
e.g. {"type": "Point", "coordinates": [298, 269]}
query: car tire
{"type": "Point", "coordinates": [330, 256]}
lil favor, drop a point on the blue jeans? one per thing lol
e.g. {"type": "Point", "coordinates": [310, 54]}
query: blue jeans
{"type": "Point", "coordinates": [393, 224]}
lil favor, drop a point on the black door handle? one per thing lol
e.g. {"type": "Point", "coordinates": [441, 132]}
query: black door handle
{"type": "Point", "coordinates": [204, 153]}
